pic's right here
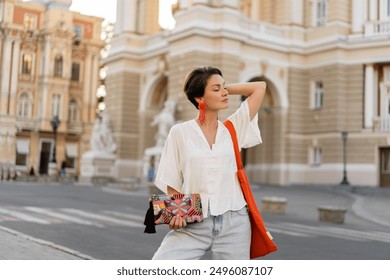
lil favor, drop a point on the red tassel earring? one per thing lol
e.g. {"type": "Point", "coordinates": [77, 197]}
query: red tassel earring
{"type": "Point", "coordinates": [202, 111]}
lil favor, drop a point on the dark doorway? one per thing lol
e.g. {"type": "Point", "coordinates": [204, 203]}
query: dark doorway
{"type": "Point", "coordinates": [384, 172]}
{"type": "Point", "coordinates": [45, 158]}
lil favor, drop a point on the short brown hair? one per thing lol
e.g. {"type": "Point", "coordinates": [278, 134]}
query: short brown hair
{"type": "Point", "coordinates": [196, 82]}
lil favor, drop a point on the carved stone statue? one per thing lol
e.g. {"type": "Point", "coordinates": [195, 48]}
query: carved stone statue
{"type": "Point", "coordinates": [164, 120]}
{"type": "Point", "coordinates": [102, 139]}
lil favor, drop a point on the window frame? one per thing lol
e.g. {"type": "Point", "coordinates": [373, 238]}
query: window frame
{"type": "Point", "coordinates": [320, 13]}
{"type": "Point", "coordinates": [388, 9]}
{"type": "Point", "coordinates": [317, 95]}
{"type": "Point", "coordinates": [24, 107]}
{"type": "Point", "coordinates": [23, 64]}
{"type": "Point", "coordinates": [55, 104]}
{"type": "Point", "coordinates": [30, 21]}
{"type": "Point", "coordinates": [386, 74]}
{"type": "Point", "coordinates": [79, 72]}
{"type": "Point", "coordinates": [73, 111]}
{"type": "Point", "coordinates": [315, 156]}
{"type": "Point", "coordinates": [21, 159]}
{"type": "Point", "coordinates": [79, 30]}
{"type": "Point", "coordinates": [58, 65]}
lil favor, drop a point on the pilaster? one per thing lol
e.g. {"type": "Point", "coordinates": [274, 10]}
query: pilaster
{"type": "Point", "coordinates": [14, 77]}
{"type": "Point", "coordinates": [369, 96]}
{"type": "Point", "coordinates": [6, 74]}
{"type": "Point", "coordinates": [357, 16]}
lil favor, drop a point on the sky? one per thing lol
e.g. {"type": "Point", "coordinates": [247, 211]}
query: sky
{"type": "Point", "coordinates": [107, 9]}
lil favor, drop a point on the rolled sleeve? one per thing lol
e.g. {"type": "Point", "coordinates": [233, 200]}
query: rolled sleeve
{"type": "Point", "coordinates": [169, 171]}
{"type": "Point", "coordinates": [248, 131]}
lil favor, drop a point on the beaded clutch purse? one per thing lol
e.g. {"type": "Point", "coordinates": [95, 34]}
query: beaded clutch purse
{"type": "Point", "coordinates": [162, 208]}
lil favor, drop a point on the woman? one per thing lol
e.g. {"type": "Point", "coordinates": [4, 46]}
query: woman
{"type": "Point", "coordinates": [198, 157]}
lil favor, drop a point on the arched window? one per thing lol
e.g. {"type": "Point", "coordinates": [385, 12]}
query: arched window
{"type": "Point", "coordinates": [58, 63]}
{"type": "Point", "coordinates": [73, 111]}
{"type": "Point", "coordinates": [24, 106]}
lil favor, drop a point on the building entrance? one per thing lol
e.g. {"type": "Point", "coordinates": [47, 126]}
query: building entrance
{"type": "Point", "coordinates": [384, 173]}
{"type": "Point", "coordinates": [46, 147]}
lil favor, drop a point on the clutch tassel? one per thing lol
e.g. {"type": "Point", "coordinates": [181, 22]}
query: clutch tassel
{"type": "Point", "coordinates": [149, 220]}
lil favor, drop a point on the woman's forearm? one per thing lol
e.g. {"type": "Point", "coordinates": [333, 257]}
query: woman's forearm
{"type": "Point", "coordinates": [246, 89]}
{"type": "Point", "coordinates": [255, 92]}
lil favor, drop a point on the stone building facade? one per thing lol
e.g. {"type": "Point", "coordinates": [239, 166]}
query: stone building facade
{"type": "Point", "coordinates": [326, 64]}
{"type": "Point", "coordinates": [49, 68]}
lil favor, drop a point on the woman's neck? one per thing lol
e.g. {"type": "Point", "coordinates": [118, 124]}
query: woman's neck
{"type": "Point", "coordinates": [210, 120]}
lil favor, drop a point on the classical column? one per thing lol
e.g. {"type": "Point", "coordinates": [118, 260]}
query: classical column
{"type": "Point", "coordinates": [94, 83]}
{"type": "Point", "coordinates": [357, 16]}
{"type": "Point", "coordinates": [296, 12]}
{"type": "Point", "coordinates": [383, 10]}
{"type": "Point", "coordinates": [47, 60]}
{"type": "Point", "coordinates": [6, 69]}
{"type": "Point", "coordinates": [373, 10]}
{"type": "Point", "coordinates": [255, 10]}
{"type": "Point", "coordinates": [126, 15]}
{"type": "Point", "coordinates": [369, 96]}
{"type": "Point", "coordinates": [14, 77]}
{"type": "Point", "coordinates": [87, 86]}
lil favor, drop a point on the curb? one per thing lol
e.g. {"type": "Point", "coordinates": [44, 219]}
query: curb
{"type": "Point", "coordinates": [47, 243]}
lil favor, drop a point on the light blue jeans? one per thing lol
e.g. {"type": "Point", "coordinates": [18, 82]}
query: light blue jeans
{"type": "Point", "coordinates": [226, 236]}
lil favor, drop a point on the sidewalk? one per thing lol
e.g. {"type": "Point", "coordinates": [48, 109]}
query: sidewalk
{"type": "Point", "coordinates": [17, 246]}
{"type": "Point", "coordinates": [367, 203]}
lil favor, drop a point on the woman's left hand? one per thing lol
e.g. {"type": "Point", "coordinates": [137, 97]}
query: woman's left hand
{"type": "Point", "coordinates": [177, 223]}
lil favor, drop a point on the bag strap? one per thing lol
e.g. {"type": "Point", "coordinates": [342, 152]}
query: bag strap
{"type": "Point", "coordinates": [229, 125]}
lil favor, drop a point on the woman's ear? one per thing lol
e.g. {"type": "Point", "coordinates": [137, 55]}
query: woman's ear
{"type": "Point", "coordinates": [198, 99]}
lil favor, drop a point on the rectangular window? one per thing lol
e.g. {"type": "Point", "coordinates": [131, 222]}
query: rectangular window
{"type": "Point", "coordinates": [21, 159]}
{"type": "Point", "coordinates": [58, 64]}
{"type": "Point", "coordinates": [385, 162]}
{"type": "Point", "coordinates": [388, 110]}
{"type": "Point", "coordinates": [315, 156]}
{"type": "Point", "coordinates": [388, 8]}
{"type": "Point", "coordinates": [321, 7]}
{"type": "Point", "coordinates": [317, 95]}
{"type": "Point", "coordinates": [78, 29]}
{"type": "Point", "coordinates": [22, 151]}
{"type": "Point", "coordinates": [24, 109]}
{"type": "Point", "coordinates": [27, 63]}
{"type": "Point", "coordinates": [55, 105]}
{"type": "Point", "coordinates": [71, 152]}
{"type": "Point", "coordinates": [387, 74]}
{"type": "Point", "coordinates": [75, 77]}
{"type": "Point", "coordinates": [30, 21]}
{"type": "Point", "coordinates": [73, 111]}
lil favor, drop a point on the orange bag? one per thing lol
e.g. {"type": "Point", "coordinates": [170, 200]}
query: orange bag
{"type": "Point", "coordinates": [261, 240]}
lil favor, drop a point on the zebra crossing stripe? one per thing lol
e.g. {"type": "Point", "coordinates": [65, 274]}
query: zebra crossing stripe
{"type": "Point", "coordinates": [287, 232]}
{"type": "Point", "coordinates": [334, 232]}
{"type": "Point", "coordinates": [128, 216]}
{"type": "Point", "coordinates": [323, 231]}
{"type": "Point", "coordinates": [103, 218]}
{"type": "Point", "coordinates": [61, 216]}
{"type": "Point", "coordinates": [24, 216]}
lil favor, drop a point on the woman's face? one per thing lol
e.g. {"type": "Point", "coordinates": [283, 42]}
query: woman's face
{"type": "Point", "coordinates": [215, 95]}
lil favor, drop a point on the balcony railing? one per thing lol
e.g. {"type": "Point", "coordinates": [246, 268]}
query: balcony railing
{"type": "Point", "coordinates": [75, 127]}
{"type": "Point", "coordinates": [377, 28]}
{"type": "Point", "coordinates": [27, 123]}
{"type": "Point", "coordinates": [261, 28]}
{"type": "Point", "coordinates": [382, 124]}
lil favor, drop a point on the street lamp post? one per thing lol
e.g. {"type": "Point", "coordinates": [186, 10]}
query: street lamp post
{"type": "Point", "coordinates": [55, 123]}
{"type": "Point", "coordinates": [344, 136]}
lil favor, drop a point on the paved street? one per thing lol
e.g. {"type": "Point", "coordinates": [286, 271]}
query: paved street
{"type": "Point", "coordinates": [70, 221]}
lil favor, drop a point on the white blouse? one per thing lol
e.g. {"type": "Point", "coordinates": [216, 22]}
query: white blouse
{"type": "Point", "coordinates": [188, 164]}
